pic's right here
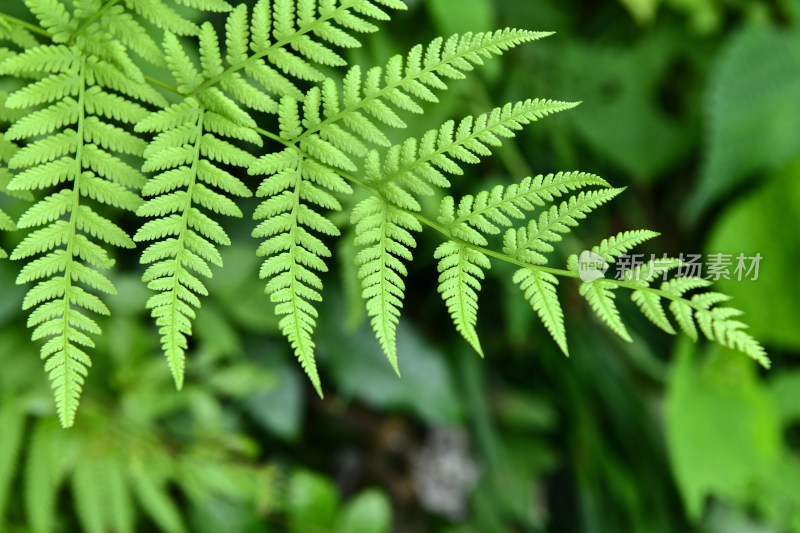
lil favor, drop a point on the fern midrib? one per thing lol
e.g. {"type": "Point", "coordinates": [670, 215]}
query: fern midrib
{"type": "Point", "coordinates": [271, 48]}
{"type": "Point", "coordinates": [380, 94]}
{"type": "Point", "coordinates": [73, 220]}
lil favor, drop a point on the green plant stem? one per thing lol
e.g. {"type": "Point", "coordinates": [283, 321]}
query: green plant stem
{"type": "Point", "coordinates": [27, 25]}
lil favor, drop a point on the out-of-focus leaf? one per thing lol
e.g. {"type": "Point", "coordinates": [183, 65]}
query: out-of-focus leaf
{"type": "Point", "coordinates": [215, 333]}
{"type": "Point", "coordinates": [722, 432]}
{"type": "Point", "coordinates": [12, 422]}
{"type": "Point", "coordinates": [461, 16]}
{"type": "Point", "coordinates": [523, 411]}
{"type": "Point", "coordinates": [369, 512]}
{"type": "Point", "coordinates": [785, 390]}
{"type": "Point", "coordinates": [355, 363]}
{"type": "Point", "coordinates": [621, 117]}
{"type": "Point", "coordinates": [644, 11]}
{"type": "Point", "coordinates": [766, 223]}
{"type": "Point", "coordinates": [754, 112]}
{"type": "Point", "coordinates": [280, 409]}
{"type": "Point", "coordinates": [312, 502]}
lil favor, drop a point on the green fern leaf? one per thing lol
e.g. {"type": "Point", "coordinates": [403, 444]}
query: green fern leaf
{"type": "Point", "coordinates": [486, 212]}
{"type": "Point", "coordinates": [619, 244]}
{"type": "Point", "coordinates": [384, 232]}
{"type": "Point", "coordinates": [540, 291]}
{"type": "Point", "coordinates": [294, 186]}
{"type": "Point", "coordinates": [185, 238]}
{"type": "Point", "coordinates": [66, 155]}
{"type": "Point", "coordinates": [460, 269]}
{"type": "Point", "coordinates": [600, 295]}
{"type": "Point", "coordinates": [528, 244]}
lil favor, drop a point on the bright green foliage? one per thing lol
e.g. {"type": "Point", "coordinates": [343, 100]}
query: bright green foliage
{"type": "Point", "coordinates": [540, 291]}
{"type": "Point", "coordinates": [70, 143]}
{"type": "Point", "coordinates": [189, 154]}
{"type": "Point", "coordinates": [292, 251]}
{"type": "Point", "coordinates": [384, 232]}
{"type": "Point", "coordinates": [617, 245]}
{"type": "Point", "coordinates": [77, 132]}
{"type": "Point", "coordinates": [188, 151]}
{"type": "Point", "coordinates": [414, 168]}
{"type": "Point", "coordinates": [529, 244]}
{"type": "Point", "coordinates": [718, 324]}
{"type": "Point", "coordinates": [484, 214]}
{"type": "Point", "coordinates": [460, 269]}
{"type": "Point", "coordinates": [600, 295]}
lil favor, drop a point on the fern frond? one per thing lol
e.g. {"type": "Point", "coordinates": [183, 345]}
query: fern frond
{"type": "Point", "coordinates": [295, 187]}
{"type": "Point", "coordinates": [188, 151]}
{"type": "Point", "coordinates": [258, 67]}
{"type": "Point", "coordinates": [718, 324]}
{"type": "Point", "coordinates": [384, 232]}
{"type": "Point", "coordinates": [528, 244]}
{"type": "Point", "coordinates": [78, 163]}
{"type": "Point", "coordinates": [350, 120]}
{"type": "Point", "coordinates": [540, 291]}
{"type": "Point", "coordinates": [488, 211]}
{"type": "Point", "coordinates": [619, 244]}
{"type": "Point", "coordinates": [460, 269]}
{"type": "Point", "coordinates": [600, 295]}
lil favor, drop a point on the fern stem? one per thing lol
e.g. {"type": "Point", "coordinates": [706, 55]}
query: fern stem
{"type": "Point", "coordinates": [96, 15]}
{"type": "Point", "coordinates": [27, 25]}
{"type": "Point", "coordinates": [159, 83]}
{"type": "Point", "coordinates": [275, 46]}
{"type": "Point", "coordinates": [272, 136]}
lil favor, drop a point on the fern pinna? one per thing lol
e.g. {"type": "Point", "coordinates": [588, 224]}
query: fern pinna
{"type": "Point", "coordinates": [90, 125]}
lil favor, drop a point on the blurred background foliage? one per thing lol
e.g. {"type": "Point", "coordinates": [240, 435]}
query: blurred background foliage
{"type": "Point", "coordinates": [691, 104]}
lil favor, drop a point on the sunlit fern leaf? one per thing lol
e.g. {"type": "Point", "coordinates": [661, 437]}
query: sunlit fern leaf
{"type": "Point", "coordinates": [540, 291]}
{"type": "Point", "coordinates": [162, 15]}
{"type": "Point", "coordinates": [384, 233]}
{"type": "Point", "coordinates": [69, 154]}
{"type": "Point", "coordinates": [53, 17]}
{"type": "Point", "coordinates": [619, 244]}
{"type": "Point", "coordinates": [484, 214]}
{"type": "Point", "coordinates": [258, 67]}
{"type": "Point", "coordinates": [460, 271]}
{"type": "Point", "coordinates": [680, 308]}
{"type": "Point", "coordinates": [600, 295]}
{"type": "Point", "coordinates": [528, 244]}
{"type": "Point", "coordinates": [295, 188]}
{"type": "Point", "coordinates": [353, 118]}
{"type": "Point", "coordinates": [17, 35]}
{"type": "Point", "coordinates": [189, 152]}
{"type": "Point", "coordinates": [718, 324]}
